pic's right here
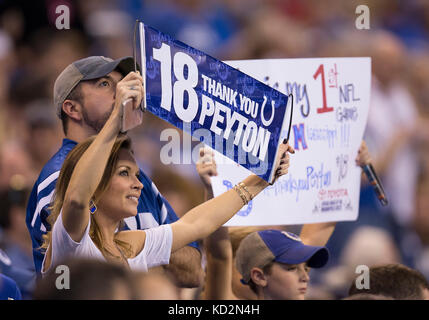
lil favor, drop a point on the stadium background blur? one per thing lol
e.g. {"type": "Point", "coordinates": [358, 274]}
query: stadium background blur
{"type": "Point", "coordinates": [33, 52]}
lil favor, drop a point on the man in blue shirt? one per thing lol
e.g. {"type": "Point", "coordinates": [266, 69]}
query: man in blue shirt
{"type": "Point", "coordinates": [82, 116]}
{"type": "Point", "coordinates": [8, 289]}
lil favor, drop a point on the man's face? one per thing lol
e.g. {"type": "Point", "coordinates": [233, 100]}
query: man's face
{"type": "Point", "coordinates": [98, 99]}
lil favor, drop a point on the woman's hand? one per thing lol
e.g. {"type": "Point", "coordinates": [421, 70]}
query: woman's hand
{"type": "Point", "coordinates": [282, 161]}
{"type": "Point", "coordinates": [206, 167]}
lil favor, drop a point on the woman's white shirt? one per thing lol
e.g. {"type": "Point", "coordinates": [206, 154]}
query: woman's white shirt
{"type": "Point", "coordinates": [156, 250]}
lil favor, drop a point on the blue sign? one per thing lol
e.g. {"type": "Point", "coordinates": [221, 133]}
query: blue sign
{"type": "Point", "coordinates": [226, 109]}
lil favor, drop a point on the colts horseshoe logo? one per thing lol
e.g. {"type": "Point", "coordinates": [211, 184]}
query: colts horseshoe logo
{"type": "Point", "coordinates": [266, 122]}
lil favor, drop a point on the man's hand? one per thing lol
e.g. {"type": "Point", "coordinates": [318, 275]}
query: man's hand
{"type": "Point", "coordinates": [363, 158]}
{"type": "Point", "coordinates": [206, 167]}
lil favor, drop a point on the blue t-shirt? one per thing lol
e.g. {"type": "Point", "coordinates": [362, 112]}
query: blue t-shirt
{"type": "Point", "coordinates": [153, 209]}
{"type": "Point", "coordinates": [8, 289]}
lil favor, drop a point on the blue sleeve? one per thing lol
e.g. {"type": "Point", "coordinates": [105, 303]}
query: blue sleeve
{"type": "Point", "coordinates": [170, 209]}
{"type": "Point", "coordinates": [17, 295]}
{"type": "Point", "coordinates": [35, 233]}
{"type": "Point", "coordinates": [9, 289]}
{"type": "Point", "coordinates": [171, 214]}
{"type": "Point", "coordinates": [36, 220]}
{"type": "Point", "coordinates": [152, 201]}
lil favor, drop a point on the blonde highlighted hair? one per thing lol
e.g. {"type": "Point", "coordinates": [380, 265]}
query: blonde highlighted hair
{"type": "Point", "coordinates": [122, 142]}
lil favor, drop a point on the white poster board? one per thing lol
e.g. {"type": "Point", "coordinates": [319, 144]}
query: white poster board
{"type": "Point", "coordinates": [331, 102]}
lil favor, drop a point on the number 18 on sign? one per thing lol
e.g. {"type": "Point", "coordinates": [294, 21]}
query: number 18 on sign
{"type": "Point", "coordinates": [223, 107]}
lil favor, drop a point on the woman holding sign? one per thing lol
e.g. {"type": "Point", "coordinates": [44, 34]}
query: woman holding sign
{"type": "Point", "coordinates": [98, 187]}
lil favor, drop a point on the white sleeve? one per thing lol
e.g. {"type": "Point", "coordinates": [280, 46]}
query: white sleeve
{"type": "Point", "coordinates": [157, 247]}
{"type": "Point", "coordinates": [63, 245]}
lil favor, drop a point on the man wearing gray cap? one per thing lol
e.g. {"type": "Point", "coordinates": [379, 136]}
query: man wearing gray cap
{"type": "Point", "coordinates": [84, 96]}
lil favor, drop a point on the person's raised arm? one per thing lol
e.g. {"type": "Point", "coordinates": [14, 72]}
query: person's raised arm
{"type": "Point", "coordinates": [204, 219]}
{"type": "Point", "coordinates": [317, 234]}
{"type": "Point", "coordinates": [206, 168]}
{"type": "Point", "coordinates": [363, 157]}
{"type": "Point", "coordinates": [185, 263]}
{"type": "Point", "coordinates": [217, 245]}
{"type": "Point", "coordinates": [90, 168]}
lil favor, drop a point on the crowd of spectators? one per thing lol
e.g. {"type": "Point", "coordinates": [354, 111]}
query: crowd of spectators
{"type": "Point", "coordinates": [33, 52]}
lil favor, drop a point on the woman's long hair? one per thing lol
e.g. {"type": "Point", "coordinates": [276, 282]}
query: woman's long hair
{"type": "Point", "coordinates": [122, 142]}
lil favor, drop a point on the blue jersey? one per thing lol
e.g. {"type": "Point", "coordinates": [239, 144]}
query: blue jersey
{"type": "Point", "coordinates": [19, 267]}
{"type": "Point", "coordinates": [8, 289]}
{"type": "Point", "coordinates": [153, 208]}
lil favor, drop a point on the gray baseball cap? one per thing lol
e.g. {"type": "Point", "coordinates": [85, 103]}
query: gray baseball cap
{"type": "Point", "coordinates": [87, 69]}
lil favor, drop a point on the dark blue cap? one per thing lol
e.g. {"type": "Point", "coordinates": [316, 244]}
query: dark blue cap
{"type": "Point", "coordinates": [288, 248]}
{"type": "Point", "coordinates": [260, 248]}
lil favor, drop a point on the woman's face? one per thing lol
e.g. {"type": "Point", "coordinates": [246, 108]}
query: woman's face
{"type": "Point", "coordinates": [121, 197]}
{"type": "Point", "coordinates": [287, 281]}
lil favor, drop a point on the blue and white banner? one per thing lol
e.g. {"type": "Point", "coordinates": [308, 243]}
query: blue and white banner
{"type": "Point", "coordinates": [231, 112]}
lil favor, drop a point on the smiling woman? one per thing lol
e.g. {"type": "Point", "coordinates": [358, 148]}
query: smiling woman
{"type": "Point", "coordinates": [118, 172]}
{"type": "Point", "coordinates": [98, 187]}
